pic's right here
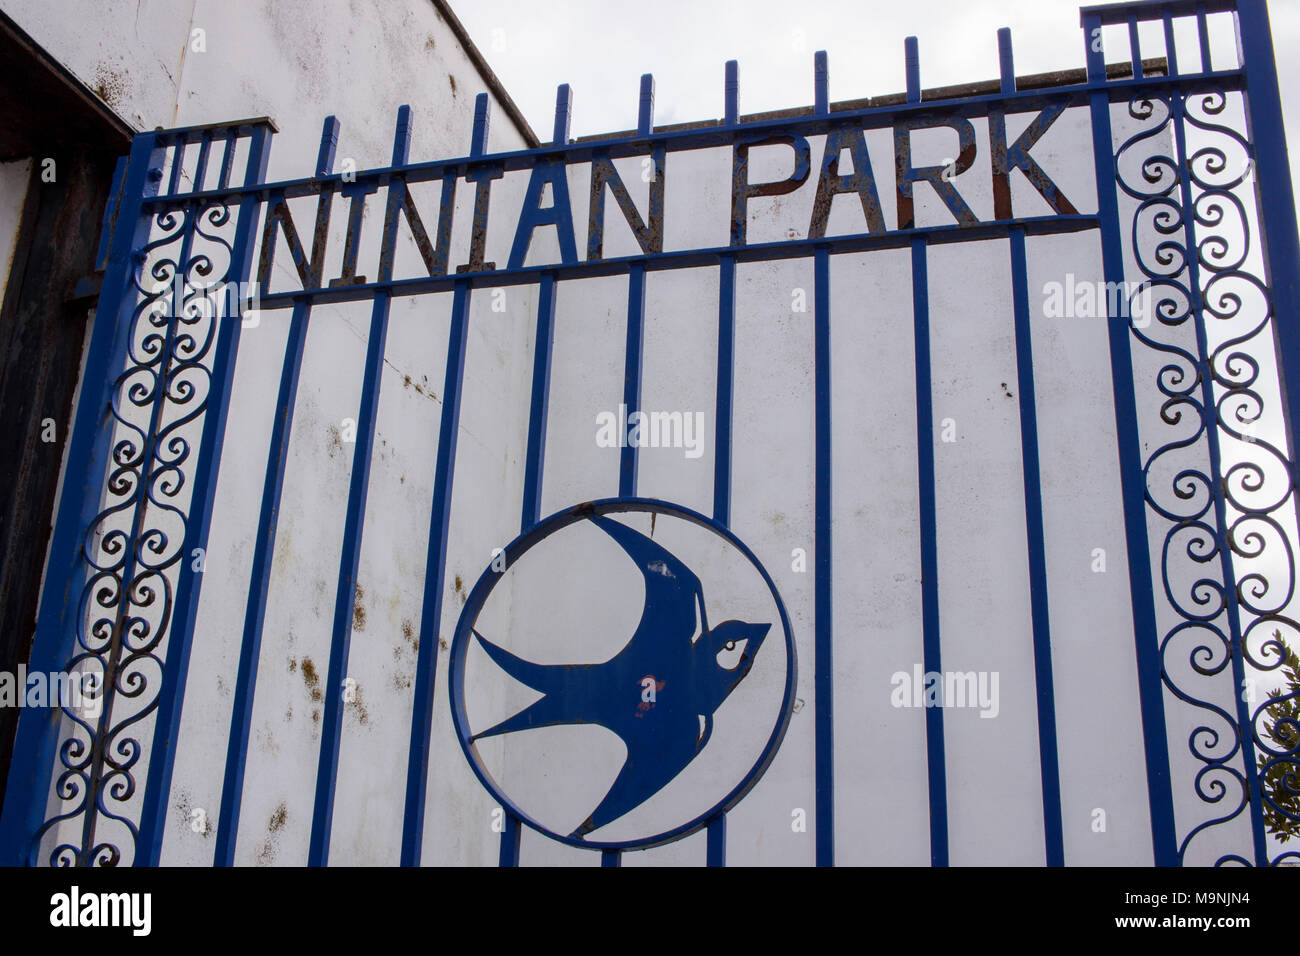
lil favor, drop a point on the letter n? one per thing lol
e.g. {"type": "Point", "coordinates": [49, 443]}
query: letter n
{"type": "Point", "coordinates": [649, 237]}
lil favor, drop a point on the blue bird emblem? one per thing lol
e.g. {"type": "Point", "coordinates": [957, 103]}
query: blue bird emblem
{"type": "Point", "coordinates": [658, 694]}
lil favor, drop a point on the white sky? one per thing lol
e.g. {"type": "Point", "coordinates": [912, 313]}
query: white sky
{"type": "Point", "coordinates": [601, 48]}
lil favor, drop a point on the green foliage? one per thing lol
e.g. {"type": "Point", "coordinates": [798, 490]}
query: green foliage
{"type": "Point", "coordinates": [1281, 781]}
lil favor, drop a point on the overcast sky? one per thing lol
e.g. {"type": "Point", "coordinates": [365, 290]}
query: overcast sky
{"type": "Point", "coordinates": [601, 48]}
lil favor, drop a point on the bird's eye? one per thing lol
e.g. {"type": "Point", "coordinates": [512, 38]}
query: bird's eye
{"type": "Point", "coordinates": [730, 645]}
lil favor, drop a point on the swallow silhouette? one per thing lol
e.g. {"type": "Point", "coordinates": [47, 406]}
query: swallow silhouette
{"type": "Point", "coordinates": [658, 693]}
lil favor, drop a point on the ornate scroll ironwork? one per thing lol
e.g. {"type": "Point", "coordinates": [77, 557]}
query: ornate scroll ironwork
{"type": "Point", "coordinates": [1219, 480]}
{"type": "Point", "coordinates": [133, 548]}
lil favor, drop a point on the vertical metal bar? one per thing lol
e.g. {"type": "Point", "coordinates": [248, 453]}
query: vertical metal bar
{"type": "Point", "coordinates": [1171, 47]}
{"type": "Point", "coordinates": [1232, 605]}
{"type": "Point", "coordinates": [1279, 240]}
{"type": "Point", "coordinates": [610, 858]}
{"type": "Point", "coordinates": [345, 593]}
{"type": "Point", "coordinates": [1135, 46]}
{"type": "Point", "coordinates": [726, 369]}
{"type": "Point", "coordinates": [171, 697]}
{"type": "Point", "coordinates": [1278, 236]}
{"type": "Point", "coordinates": [482, 120]}
{"type": "Point", "coordinates": [646, 110]}
{"type": "Point", "coordinates": [533, 476]}
{"type": "Point", "coordinates": [201, 167]}
{"type": "Point", "coordinates": [509, 855]}
{"type": "Point", "coordinates": [536, 457]}
{"type": "Point", "coordinates": [250, 649]}
{"type": "Point", "coordinates": [717, 841]}
{"type": "Point", "coordinates": [1203, 35]}
{"type": "Point", "coordinates": [821, 84]}
{"type": "Point", "coordinates": [178, 161]}
{"type": "Point", "coordinates": [632, 374]}
{"type": "Point", "coordinates": [823, 670]}
{"type": "Point", "coordinates": [349, 561]}
{"type": "Point", "coordinates": [731, 93]}
{"type": "Point", "coordinates": [1006, 61]}
{"type": "Point", "coordinates": [934, 740]}
{"type": "Point", "coordinates": [228, 159]}
{"type": "Point", "coordinates": [1049, 761]}
{"type": "Point", "coordinates": [563, 114]}
{"type": "Point", "coordinates": [417, 772]}
{"type": "Point", "coordinates": [435, 565]}
{"type": "Point", "coordinates": [28, 786]}
{"type": "Point", "coordinates": [912, 66]}
{"type": "Point", "coordinates": [1133, 482]}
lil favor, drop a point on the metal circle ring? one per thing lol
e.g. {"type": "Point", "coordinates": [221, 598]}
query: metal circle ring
{"type": "Point", "coordinates": [478, 597]}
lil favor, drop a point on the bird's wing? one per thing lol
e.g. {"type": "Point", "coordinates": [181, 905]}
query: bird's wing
{"type": "Point", "coordinates": [672, 590]}
{"type": "Point", "coordinates": [652, 762]}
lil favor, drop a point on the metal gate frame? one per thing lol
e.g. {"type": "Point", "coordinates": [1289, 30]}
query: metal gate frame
{"type": "Point", "coordinates": [98, 772]}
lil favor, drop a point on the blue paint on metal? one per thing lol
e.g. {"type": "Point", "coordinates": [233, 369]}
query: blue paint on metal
{"type": "Point", "coordinates": [350, 559]}
{"type": "Point", "coordinates": [611, 858]}
{"type": "Point", "coordinates": [1006, 61]}
{"type": "Point", "coordinates": [264, 543]}
{"type": "Point", "coordinates": [662, 734]}
{"type": "Point", "coordinates": [592, 696]}
{"type": "Point", "coordinates": [1171, 47]}
{"type": "Point", "coordinates": [510, 838]}
{"type": "Point", "coordinates": [482, 121]}
{"type": "Point", "coordinates": [934, 741]}
{"type": "Point", "coordinates": [1048, 759]}
{"type": "Point", "coordinates": [435, 565]}
{"type": "Point", "coordinates": [627, 465]}
{"type": "Point", "coordinates": [258, 587]}
{"type": "Point", "coordinates": [912, 67]}
{"type": "Point", "coordinates": [417, 773]}
{"type": "Point", "coordinates": [1159, 787]}
{"type": "Point", "coordinates": [717, 841]}
{"type": "Point", "coordinates": [536, 456]}
{"type": "Point", "coordinates": [726, 369]}
{"type": "Point", "coordinates": [823, 671]}
{"type": "Point", "coordinates": [171, 697]}
{"type": "Point", "coordinates": [821, 84]}
{"type": "Point", "coordinates": [731, 93]}
{"type": "Point", "coordinates": [645, 117]}
{"type": "Point", "coordinates": [563, 115]}
{"type": "Point", "coordinates": [1135, 47]}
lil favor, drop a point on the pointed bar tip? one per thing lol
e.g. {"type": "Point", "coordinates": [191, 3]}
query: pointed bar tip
{"type": "Point", "coordinates": [821, 83]}
{"type": "Point", "coordinates": [563, 114]}
{"type": "Point", "coordinates": [732, 92]}
{"type": "Point", "coordinates": [329, 144]}
{"type": "Point", "coordinates": [646, 110]}
{"type": "Point", "coordinates": [912, 59]}
{"type": "Point", "coordinates": [1006, 61]}
{"type": "Point", "coordinates": [482, 118]}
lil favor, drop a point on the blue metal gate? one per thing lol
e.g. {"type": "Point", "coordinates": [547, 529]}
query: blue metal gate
{"type": "Point", "coordinates": [121, 592]}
